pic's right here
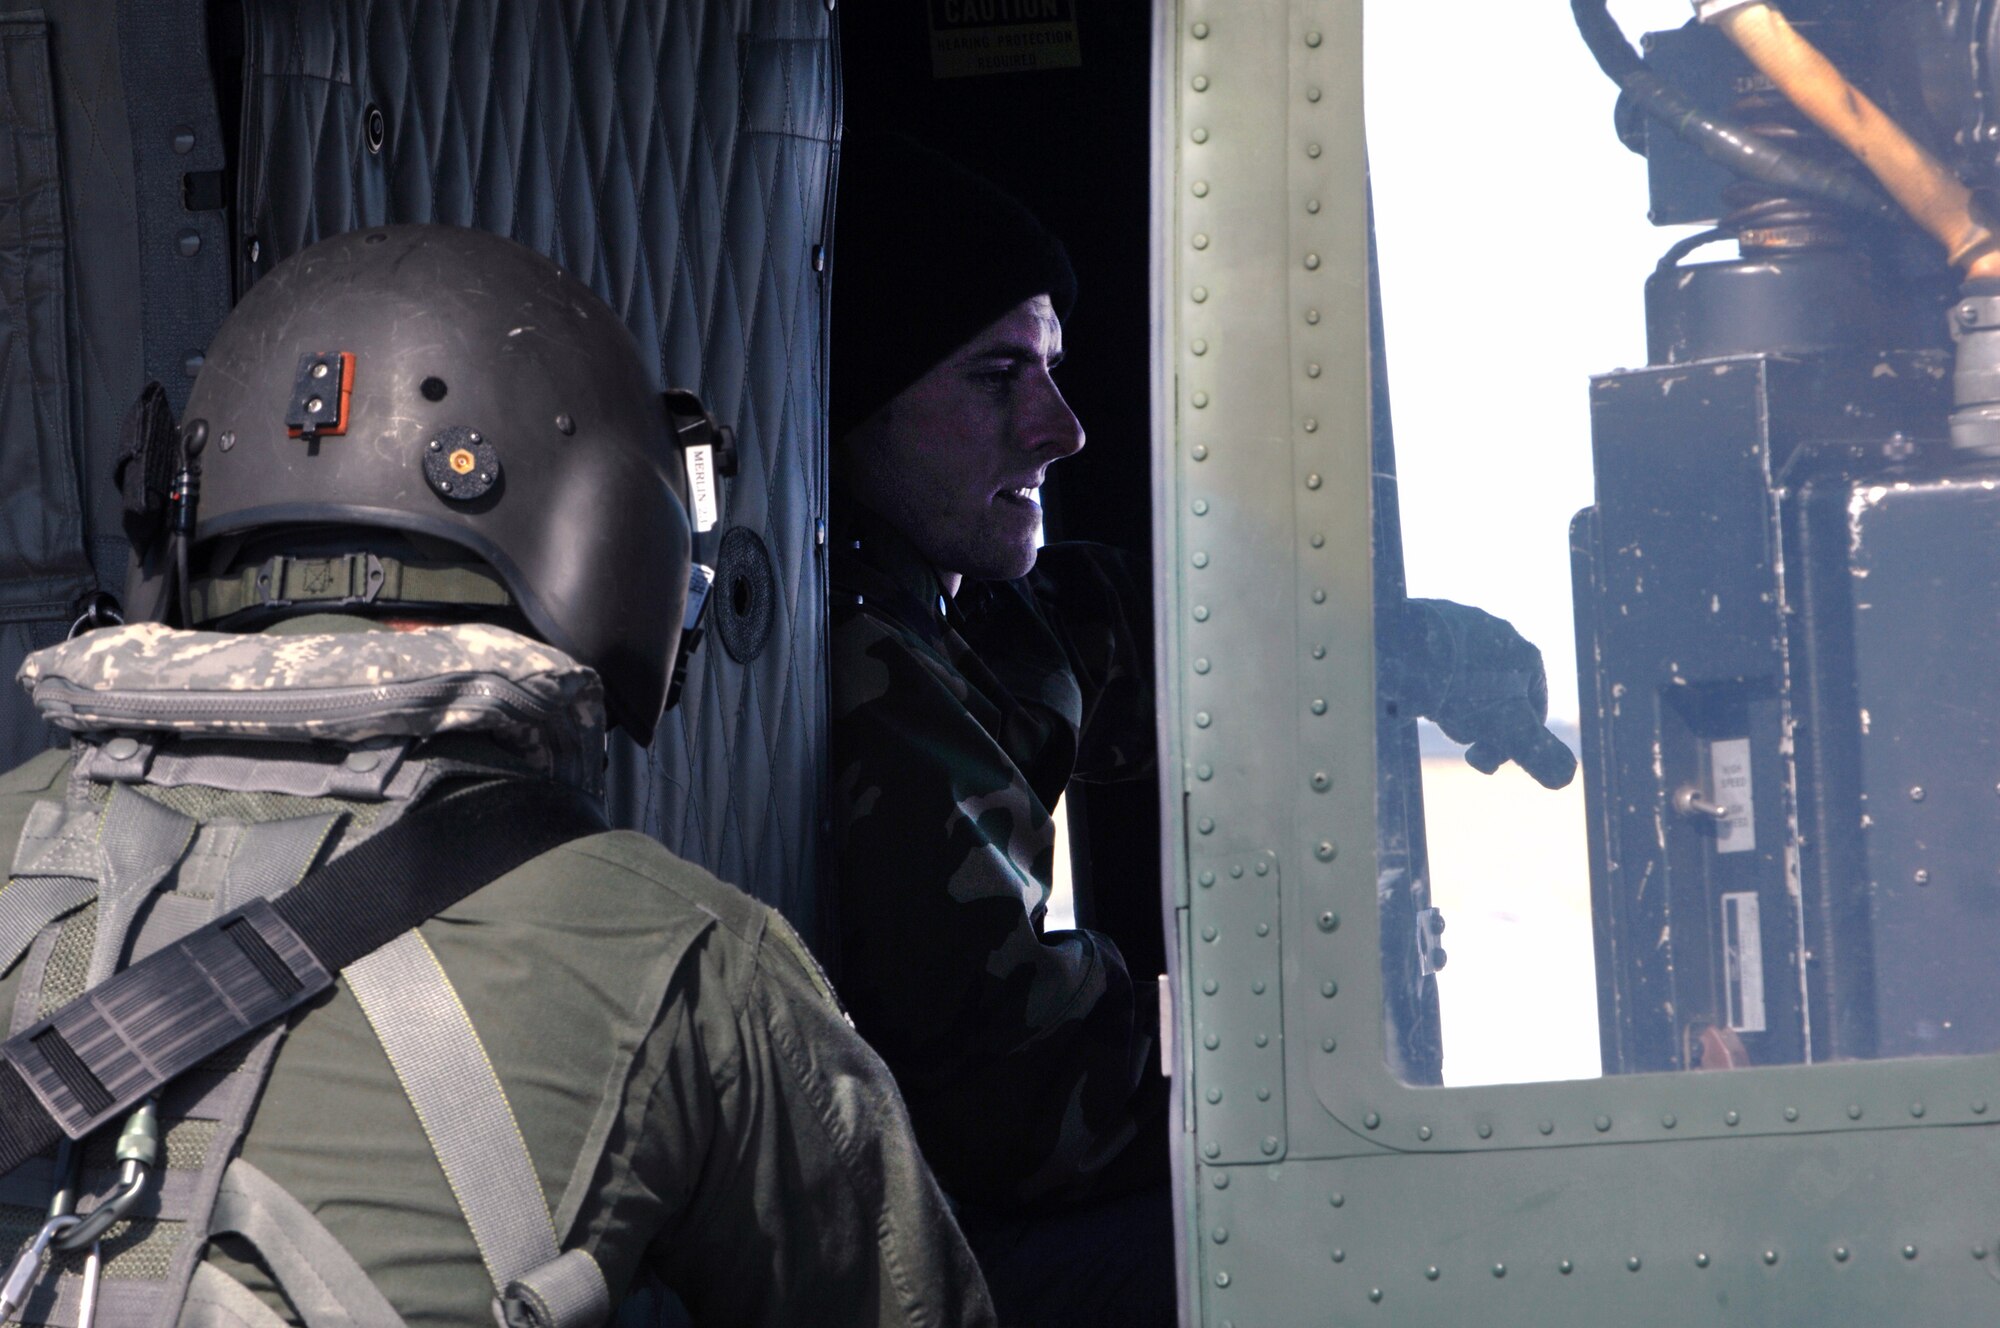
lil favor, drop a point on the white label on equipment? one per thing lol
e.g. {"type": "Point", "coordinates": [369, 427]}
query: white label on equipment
{"type": "Point", "coordinates": [1729, 778]}
{"type": "Point", "coordinates": [701, 486]}
{"type": "Point", "coordinates": [1743, 961]}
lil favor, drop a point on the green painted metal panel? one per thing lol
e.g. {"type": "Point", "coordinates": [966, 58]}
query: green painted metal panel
{"type": "Point", "coordinates": [1266, 671]}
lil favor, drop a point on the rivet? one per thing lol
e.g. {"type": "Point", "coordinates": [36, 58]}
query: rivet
{"type": "Point", "coordinates": [1917, 793]}
{"type": "Point", "coordinates": [1199, 83]}
{"type": "Point", "coordinates": [1371, 1120]}
{"type": "Point", "coordinates": [1222, 1279]}
{"type": "Point", "coordinates": [227, 441]}
{"type": "Point", "coordinates": [314, 404]}
{"type": "Point", "coordinates": [1199, 242]}
{"type": "Point", "coordinates": [1770, 1257]}
{"type": "Point", "coordinates": [1670, 1120]}
{"type": "Point", "coordinates": [255, 248]}
{"type": "Point", "coordinates": [1909, 1251]}
{"type": "Point", "coordinates": [1327, 1045]}
{"type": "Point", "coordinates": [1235, 871]}
{"type": "Point", "coordinates": [1200, 30]}
{"type": "Point", "coordinates": [1312, 39]}
{"type": "Point", "coordinates": [1220, 1235]}
{"type": "Point", "coordinates": [1312, 150]}
{"type": "Point", "coordinates": [1632, 1264]}
{"type": "Point", "coordinates": [473, 436]}
{"type": "Point", "coordinates": [1603, 1123]}
{"type": "Point", "coordinates": [1208, 933]}
{"type": "Point", "coordinates": [1263, 869]}
{"type": "Point", "coordinates": [1209, 987]}
{"type": "Point", "coordinates": [1221, 1180]}
{"type": "Point", "coordinates": [1791, 1113]}
{"type": "Point", "coordinates": [1199, 346]}
{"type": "Point", "coordinates": [1257, 988]}
{"type": "Point", "coordinates": [1199, 400]}
{"type": "Point", "coordinates": [1319, 597]}
{"type": "Point", "coordinates": [1484, 1131]}
{"type": "Point", "coordinates": [1311, 425]}
{"type": "Point", "coordinates": [1214, 1096]}
{"type": "Point", "coordinates": [1424, 1132]}
{"type": "Point", "coordinates": [1312, 262]}
{"type": "Point", "coordinates": [1199, 295]}
{"type": "Point", "coordinates": [1701, 1260]}
{"type": "Point", "coordinates": [1319, 652]}
{"type": "Point", "coordinates": [1499, 1270]}
{"type": "Point", "coordinates": [1979, 1251]}
{"type": "Point", "coordinates": [1312, 317]}
{"type": "Point", "coordinates": [1202, 718]}
{"type": "Point", "coordinates": [1917, 1110]}
{"type": "Point", "coordinates": [1312, 207]}
{"type": "Point", "coordinates": [183, 139]}
{"type": "Point", "coordinates": [1431, 1272]}
{"type": "Point", "coordinates": [1211, 1150]}
{"type": "Point", "coordinates": [1312, 94]}
{"type": "Point", "coordinates": [1732, 1117]}
{"type": "Point", "coordinates": [1201, 507]}
{"type": "Point", "coordinates": [1320, 781]}
{"type": "Point", "coordinates": [1325, 852]}
{"type": "Point", "coordinates": [1263, 929]}
{"type": "Point", "coordinates": [1200, 615]}
{"type": "Point", "coordinates": [1212, 1041]}
{"type": "Point", "coordinates": [1206, 825]}
{"type": "Point", "coordinates": [1201, 665]}
{"type": "Point", "coordinates": [1199, 560]}
{"type": "Point", "coordinates": [1922, 876]}
{"type": "Point", "coordinates": [1547, 1127]}
{"type": "Point", "coordinates": [437, 444]}
{"type": "Point", "coordinates": [1329, 988]}
{"type": "Point", "coordinates": [1199, 452]}
{"type": "Point", "coordinates": [1565, 1267]}
{"type": "Point", "coordinates": [1336, 1199]}
{"type": "Point", "coordinates": [1263, 1093]}
{"type": "Point", "coordinates": [1313, 481]}
{"type": "Point", "coordinates": [565, 425]}
{"type": "Point", "coordinates": [1270, 1146]}
{"type": "Point", "coordinates": [1374, 1294]}
{"type": "Point", "coordinates": [1854, 1111]}
{"type": "Point", "coordinates": [1199, 135]}
{"type": "Point", "coordinates": [1204, 771]}
{"type": "Point", "coordinates": [1329, 920]}
{"type": "Point", "coordinates": [190, 243]}
{"type": "Point", "coordinates": [1978, 1103]}
{"type": "Point", "coordinates": [1840, 1254]}
{"type": "Point", "coordinates": [1312, 371]}
{"type": "Point", "coordinates": [1318, 706]}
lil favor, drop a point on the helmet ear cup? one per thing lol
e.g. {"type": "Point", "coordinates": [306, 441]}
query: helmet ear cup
{"type": "Point", "coordinates": [462, 391]}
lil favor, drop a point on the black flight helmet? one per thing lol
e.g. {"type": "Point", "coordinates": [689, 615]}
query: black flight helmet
{"type": "Point", "coordinates": [434, 392]}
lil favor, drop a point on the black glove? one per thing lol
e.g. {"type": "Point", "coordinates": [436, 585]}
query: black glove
{"type": "Point", "coordinates": [1482, 682]}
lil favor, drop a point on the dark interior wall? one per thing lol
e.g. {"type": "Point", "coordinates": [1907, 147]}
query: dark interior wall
{"type": "Point", "coordinates": [1074, 144]}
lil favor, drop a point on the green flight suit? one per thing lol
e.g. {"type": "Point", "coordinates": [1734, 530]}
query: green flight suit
{"type": "Point", "coordinates": [693, 1100]}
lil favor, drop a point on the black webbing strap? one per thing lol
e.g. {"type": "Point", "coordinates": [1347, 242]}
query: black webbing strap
{"type": "Point", "coordinates": [132, 1034]}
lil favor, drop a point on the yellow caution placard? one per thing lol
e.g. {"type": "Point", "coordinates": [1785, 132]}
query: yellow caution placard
{"type": "Point", "coordinates": [971, 37]}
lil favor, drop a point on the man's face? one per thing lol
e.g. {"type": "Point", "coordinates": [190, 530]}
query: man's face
{"type": "Point", "coordinates": [950, 459]}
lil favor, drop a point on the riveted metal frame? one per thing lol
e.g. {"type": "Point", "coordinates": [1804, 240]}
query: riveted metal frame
{"type": "Point", "coordinates": [1266, 662]}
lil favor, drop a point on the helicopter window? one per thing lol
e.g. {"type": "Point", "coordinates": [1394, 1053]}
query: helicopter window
{"type": "Point", "coordinates": [1779, 845]}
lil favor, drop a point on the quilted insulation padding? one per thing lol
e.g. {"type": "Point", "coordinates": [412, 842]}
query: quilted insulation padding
{"type": "Point", "coordinates": [676, 155]}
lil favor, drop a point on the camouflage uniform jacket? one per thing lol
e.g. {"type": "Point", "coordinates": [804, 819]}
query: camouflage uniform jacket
{"type": "Point", "coordinates": [693, 1101]}
{"type": "Point", "coordinates": [1026, 1056]}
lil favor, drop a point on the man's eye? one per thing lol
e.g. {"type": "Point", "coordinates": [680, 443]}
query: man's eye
{"type": "Point", "coordinates": [1000, 377]}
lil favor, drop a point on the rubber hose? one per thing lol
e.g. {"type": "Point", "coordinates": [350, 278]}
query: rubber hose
{"type": "Point", "coordinates": [1928, 190]}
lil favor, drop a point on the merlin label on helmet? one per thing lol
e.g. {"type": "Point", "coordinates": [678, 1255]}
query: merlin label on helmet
{"type": "Point", "coordinates": [460, 464]}
{"type": "Point", "coordinates": [320, 394]}
{"type": "Point", "coordinates": [701, 486]}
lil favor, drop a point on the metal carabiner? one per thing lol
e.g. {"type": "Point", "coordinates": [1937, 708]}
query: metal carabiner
{"type": "Point", "coordinates": [137, 1153]}
{"type": "Point", "coordinates": [14, 1291]}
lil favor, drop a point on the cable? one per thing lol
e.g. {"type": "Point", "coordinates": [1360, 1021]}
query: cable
{"type": "Point", "coordinates": [1742, 151]}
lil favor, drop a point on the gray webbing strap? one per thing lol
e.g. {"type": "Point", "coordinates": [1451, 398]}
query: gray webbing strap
{"type": "Point", "coordinates": [142, 842]}
{"type": "Point", "coordinates": [272, 858]}
{"type": "Point", "coordinates": [569, 1291]}
{"type": "Point", "coordinates": [444, 1070]}
{"type": "Point", "coordinates": [315, 1271]}
{"type": "Point", "coordinates": [28, 904]}
{"type": "Point", "coordinates": [349, 578]}
{"type": "Point", "coordinates": [217, 1300]}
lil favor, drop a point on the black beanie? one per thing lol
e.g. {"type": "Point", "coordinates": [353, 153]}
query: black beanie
{"type": "Point", "coordinates": [925, 255]}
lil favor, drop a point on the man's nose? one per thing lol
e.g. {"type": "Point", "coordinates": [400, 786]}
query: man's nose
{"type": "Point", "coordinates": [1054, 430]}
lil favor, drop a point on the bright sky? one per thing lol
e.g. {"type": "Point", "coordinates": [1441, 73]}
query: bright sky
{"type": "Point", "coordinates": [1514, 247]}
